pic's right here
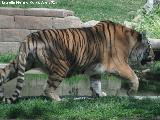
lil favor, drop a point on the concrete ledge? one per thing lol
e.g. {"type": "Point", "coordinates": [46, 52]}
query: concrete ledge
{"type": "Point", "coordinates": [17, 23]}
{"type": "Point", "coordinates": [155, 43]}
{"type": "Point", "coordinates": [32, 71]}
{"type": "Point", "coordinates": [32, 22]}
{"type": "Point", "coordinates": [7, 22]}
{"type": "Point", "coordinates": [37, 23]}
{"type": "Point", "coordinates": [13, 35]}
{"type": "Point", "coordinates": [36, 12]}
{"type": "Point", "coordinates": [9, 47]}
{"type": "Point", "coordinates": [48, 12]}
{"type": "Point", "coordinates": [11, 11]}
{"type": "Point", "coordinates": [67, 22]}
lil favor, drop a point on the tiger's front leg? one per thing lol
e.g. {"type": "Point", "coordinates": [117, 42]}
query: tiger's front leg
{"type": "Point", "coordinates": [95, 86]}
{"type": "Point", "coordinates": [94, 72]}
{"type": "Point", "coordinates": [125, 71]}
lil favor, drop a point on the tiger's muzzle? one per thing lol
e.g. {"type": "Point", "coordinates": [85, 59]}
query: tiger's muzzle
{"type": "Point", "coordinates": [148, 56]}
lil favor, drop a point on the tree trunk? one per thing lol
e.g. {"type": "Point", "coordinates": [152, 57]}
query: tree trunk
{"type": "Point", "coordinates": [150, 4]}
{"type": "Point", "coordinates": [155, 43]}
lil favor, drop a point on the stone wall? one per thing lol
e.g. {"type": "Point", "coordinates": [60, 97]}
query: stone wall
{"type": "Point", "coordinates": [16, 23]}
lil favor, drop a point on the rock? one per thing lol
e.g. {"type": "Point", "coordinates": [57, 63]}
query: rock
{"type": "Point", "coordinates": [9, 47]}
{"type": "Point", "coordinates": [67, 22]}
{"type": "Point", "coordinates": [90, 23]}
{"type": "Point", "coordinates": [45, 12]}
{"type": "Point", "coordinates": [150, 4]}
{"type": "Point", "coordinates": [32, 22]}
{"type": "Point", "coordinates": [7, 22]}
{"type": "Point", "coordinates": [36, 12]}
{"type": "Point", "coordinates": [13, 35]}
{"type": "Point", "coordinates": [155, 43]}
{"type": "Point", "coordinates": [11, 11]}
{"type": "Point", "coordinates": [128, 24]}
{"type": "Point", "coordinates": [137, 18]}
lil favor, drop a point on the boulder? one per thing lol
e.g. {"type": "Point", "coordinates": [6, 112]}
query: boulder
{"type": "Point", "coordinates": [90, 23]}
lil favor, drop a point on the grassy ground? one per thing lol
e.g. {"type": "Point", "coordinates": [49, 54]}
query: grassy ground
{"type": "Point", "coordinates": [107, 108]}
{"type": "Point", "coordinates": [117, 10]}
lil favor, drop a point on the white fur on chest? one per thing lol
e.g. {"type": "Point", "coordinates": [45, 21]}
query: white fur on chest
{"type": "Point", "coordinates": [95, 69]}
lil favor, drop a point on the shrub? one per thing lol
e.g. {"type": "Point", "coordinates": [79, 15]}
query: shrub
{"type": "Point", "coordinates": [150, 23]}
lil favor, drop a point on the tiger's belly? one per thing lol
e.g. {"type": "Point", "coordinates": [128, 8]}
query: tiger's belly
{"type": "Point", "coordinates": [95, 69]}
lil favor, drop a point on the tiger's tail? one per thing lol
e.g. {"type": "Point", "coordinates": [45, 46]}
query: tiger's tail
{"type": "Point", "coordinates": [8, 73]}
{"type": "Point", "coordinates": [22, 56]}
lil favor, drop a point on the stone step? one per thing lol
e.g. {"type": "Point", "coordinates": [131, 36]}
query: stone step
{"type": "Point", "coordinates": [24, 25]}
{"type": "Point", "coordinates": [9, 47]}
{"type": "Point", "coordinates": [32, 22]}
{"type": "Point", "coordinates": [48, 12]}
{"type": "Point", "coordinates": [38, 23]}
{"type": "Point", "coordinates": [155, 43]}
{"type": "Point", "coordinates": [13, 35]}
{"type": "Point", "coordinates": [7, 22]}
{"type": "Point", "coordinates": [36, 12]}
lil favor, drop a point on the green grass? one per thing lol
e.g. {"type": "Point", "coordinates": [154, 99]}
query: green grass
{"type": "Point", "coordinates": [6, 58]}
{"type": "Point", "coordinates": [116, 10]}
{"type": "Point", "coordinates": [29, 76]}
{"type": "Point", "coordinates": [107, 108]}
{"type": "Point", "coordinates": [43, 76]}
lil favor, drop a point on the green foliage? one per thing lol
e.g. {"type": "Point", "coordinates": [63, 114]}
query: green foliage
{"type": "Point", "coordinates": [110, 108]}
{"type": "Point", "coordinates": [150, 23]}
{"type": "Point", "coordinates": [155, 68]}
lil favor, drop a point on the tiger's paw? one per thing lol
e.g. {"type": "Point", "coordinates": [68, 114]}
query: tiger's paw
{"type": "Point", "coordinates": [53, 96]}
{"type": "Point", "coordinates": [103, 94]}
{"type": "Point", "coordinates": [131, 92]}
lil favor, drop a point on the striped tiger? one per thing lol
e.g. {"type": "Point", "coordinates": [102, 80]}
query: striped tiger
{"type": "Point", "coordinates": [61, 53]}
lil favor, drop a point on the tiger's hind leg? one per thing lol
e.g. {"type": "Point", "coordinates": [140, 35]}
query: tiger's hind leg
{"type": "Point", "coordinates": [54, 80]}
{"type": "Point", "coordinates": [95, 86]}
{"type": "Point", "coordinates": [52, 84]}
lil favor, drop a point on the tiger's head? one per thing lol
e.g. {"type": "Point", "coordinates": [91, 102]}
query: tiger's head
{"type": "Point", "coordinates": [142, 51]}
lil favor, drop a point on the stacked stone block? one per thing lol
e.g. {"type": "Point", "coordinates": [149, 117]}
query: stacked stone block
{"type": "Point", "coordinates": [16, 23]}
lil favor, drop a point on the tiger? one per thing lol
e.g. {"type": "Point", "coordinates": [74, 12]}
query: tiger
{"type": "Point", "coordinates": [103, 48]}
